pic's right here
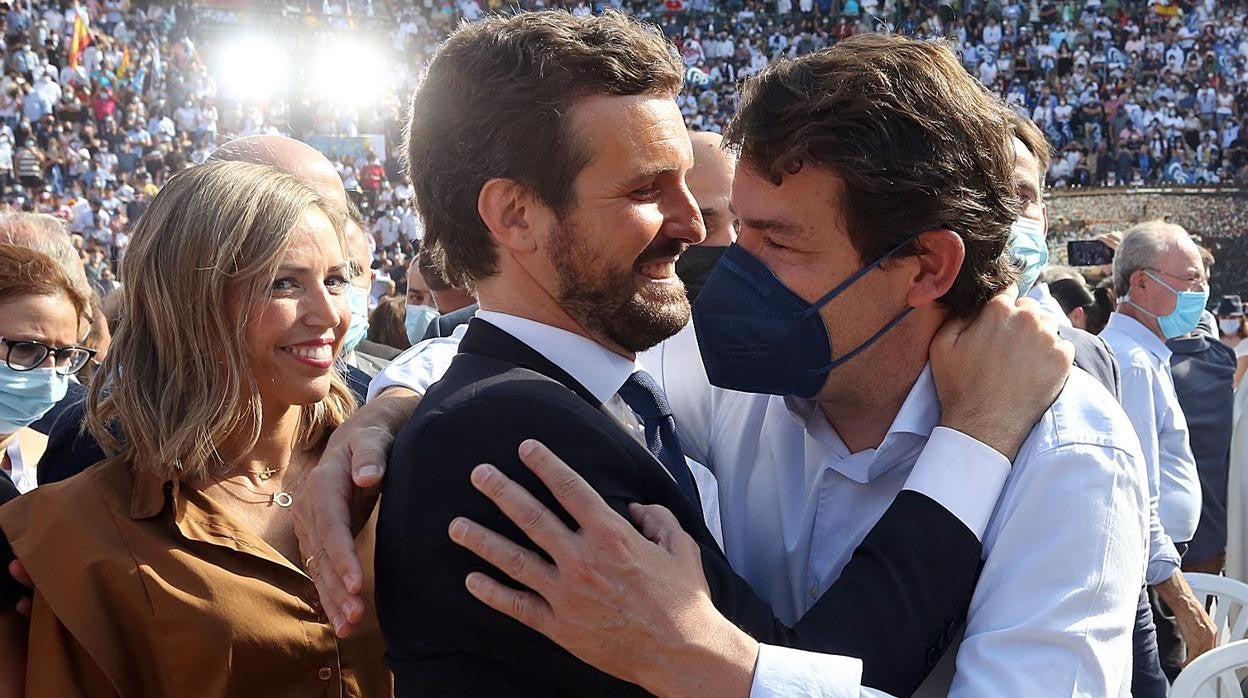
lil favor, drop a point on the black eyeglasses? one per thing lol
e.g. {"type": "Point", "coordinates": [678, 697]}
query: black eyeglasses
{"type": "Point", "coordinates": [24, 355]}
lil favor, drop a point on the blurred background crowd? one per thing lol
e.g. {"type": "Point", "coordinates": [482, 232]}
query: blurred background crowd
{"type": "Point", "coordinates": [100, 102]}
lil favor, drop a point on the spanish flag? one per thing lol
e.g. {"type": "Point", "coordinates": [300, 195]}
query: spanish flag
{"type": "Point", "coordinates": [80, 40]}
{"type": "Point", "coordinates": [124, 69]}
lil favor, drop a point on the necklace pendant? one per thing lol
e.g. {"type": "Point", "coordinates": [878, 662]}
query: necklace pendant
{"type": "Point", "coordinates": [265, 474]}
{"type": "Point", "coordinates": [283, 499]}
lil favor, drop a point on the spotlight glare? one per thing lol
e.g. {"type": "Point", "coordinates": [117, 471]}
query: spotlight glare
{"type": "Point", "coordinates": [251, 69]}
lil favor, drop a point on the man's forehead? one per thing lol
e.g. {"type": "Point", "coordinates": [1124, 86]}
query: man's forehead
{"type": "Point", "coordinates": [642, 125]}
{"type": "Point", "coordinates": [1025, 161]}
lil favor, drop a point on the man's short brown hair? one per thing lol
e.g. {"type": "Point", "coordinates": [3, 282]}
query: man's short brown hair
{"type": "Point", "coordinates": [1026, 131]}
{"type": "Point", "coordinates": [496, 102]}
{"type": "Point", "coordinates": [917, 141]}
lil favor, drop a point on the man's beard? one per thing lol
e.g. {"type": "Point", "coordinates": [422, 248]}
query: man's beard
{"type": "Point", "coordinates": [607, 302]}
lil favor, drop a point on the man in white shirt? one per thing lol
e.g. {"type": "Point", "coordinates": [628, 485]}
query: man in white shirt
{"type": "Point", "coordinates": [1098, 662]}
{"type": "Point", "coordinates": [1159, 275]}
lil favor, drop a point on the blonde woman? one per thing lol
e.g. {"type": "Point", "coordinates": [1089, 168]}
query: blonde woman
{"type": "Point", "coordinates": [172, 568]}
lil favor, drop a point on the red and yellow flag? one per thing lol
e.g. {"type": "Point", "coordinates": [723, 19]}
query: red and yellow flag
{"type": "Point", "coordinates": [80, 40]}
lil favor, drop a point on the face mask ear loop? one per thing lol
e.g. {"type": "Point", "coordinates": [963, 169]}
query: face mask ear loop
{"type": "Point", "coordinates": [862, 347]}
{"type": "Point", "coordinates": [827, 297]}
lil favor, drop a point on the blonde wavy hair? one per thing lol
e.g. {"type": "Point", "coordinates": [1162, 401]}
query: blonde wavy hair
{"type": "Point", "coordinates": [177, 383]}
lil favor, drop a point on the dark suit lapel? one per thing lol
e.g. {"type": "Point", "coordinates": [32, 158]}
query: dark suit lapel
{"type": "Point", "coordinates": [484, 339]}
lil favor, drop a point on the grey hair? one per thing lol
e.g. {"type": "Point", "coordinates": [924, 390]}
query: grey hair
{"type": "Point", "coordinates": [1141, 245]}
{"type": "Point", "coordinates": [47, 235]}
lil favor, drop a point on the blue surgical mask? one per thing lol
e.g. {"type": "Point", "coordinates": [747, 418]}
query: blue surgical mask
{"type": "Point", "coordinates": [758, 336]}
{"type": "Point", "coordinates": [1188, 307]}
{"type": "Point", "coordinates": [1029, 248]}
{"type": "Point", "coordinates": [358, 298]}
{"type": "Point", "coordinates": [25, 396]}
{"type": "Point", "coordinates": [417, 321]}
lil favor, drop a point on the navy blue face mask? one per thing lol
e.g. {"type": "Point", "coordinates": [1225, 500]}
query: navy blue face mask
{"type": "Point", "coordinates": [757, 336]}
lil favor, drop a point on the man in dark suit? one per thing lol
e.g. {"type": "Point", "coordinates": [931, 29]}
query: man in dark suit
{"type": "Point", "coordinates": [571, 244]}
{"type": "Point", "coordinates": [444, 325]}
{"type": "Point", "coordinates": [1204, 374]}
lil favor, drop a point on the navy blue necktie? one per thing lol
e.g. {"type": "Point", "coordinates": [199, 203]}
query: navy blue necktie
{"type": "Point", "coordinates": [644, 396]}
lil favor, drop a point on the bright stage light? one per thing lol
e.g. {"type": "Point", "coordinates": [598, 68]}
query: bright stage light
{"type": "Point", "coordinates": [351, 72]}
{"type": "Point", "coordinates": [252, 69]}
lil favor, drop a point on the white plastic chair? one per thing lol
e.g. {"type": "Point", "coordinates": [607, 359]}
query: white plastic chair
{"type": "Point", "coordinates": [1229, 608]}
{"type": "Point", "coordinates": [1213, 674]}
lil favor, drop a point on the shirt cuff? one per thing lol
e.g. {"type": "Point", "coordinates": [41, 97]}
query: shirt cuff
{"type": "Point", "coordinates": [1162, 564]}
{"type": "Point", "coordinates": [782, 672]}
{"type": "Point", "coordinates": [961, 474]}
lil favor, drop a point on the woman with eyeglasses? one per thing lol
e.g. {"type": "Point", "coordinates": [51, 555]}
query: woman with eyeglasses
{"type": "Point", "coordinates": [41, 314]}
{"type": "Point", "coordinates": [171, 568]}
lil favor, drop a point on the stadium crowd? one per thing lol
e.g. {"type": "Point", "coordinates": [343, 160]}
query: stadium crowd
{"type": "Point", "coordinates": [101, 102]}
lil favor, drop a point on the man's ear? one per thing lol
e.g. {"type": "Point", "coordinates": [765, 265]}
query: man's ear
{"type": "Point", "coordinates": [936, 267]}
{"type": "Point", "coordinates": [1078, 318]}
{"type": "Point", "coordinates": [506, 207]}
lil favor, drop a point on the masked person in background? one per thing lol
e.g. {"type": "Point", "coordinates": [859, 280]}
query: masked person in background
{"type": "Point", "coordinates": [1028, 242]}
{"type": "Point", "coordinates": [1232, 331]}
{"type": "Point", "coordinates": [710, 183]}
{"type": "Point", "coordinates": [41, 313]}
{"type": "Point", "coordinates": [456, 306]}
{"type": "Point", "coordinates": [1159, 278]}
{"type": "Point", "coordinates": [421, 307]}
{"type": "Point", "coordinates": [357, 350]}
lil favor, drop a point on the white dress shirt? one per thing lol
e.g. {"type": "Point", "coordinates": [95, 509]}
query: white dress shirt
{"type": "Point", "coordinates": [1041, 295]}
{"type": "Point", "coordinates": [966, 484]}
{"type": "Point", "coordinates": [1237, 492]}
{"type": "Point", "coordinates": [1054, 608]}
{"type": "Point", "coordinates": [1153, 407]}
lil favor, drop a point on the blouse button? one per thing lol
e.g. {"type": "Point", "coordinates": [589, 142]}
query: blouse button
{"type": "Point", "coordinates": [325, 673]}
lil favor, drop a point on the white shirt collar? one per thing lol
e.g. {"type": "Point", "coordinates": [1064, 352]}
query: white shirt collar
{"type": "Point", "coordinates": [1140, 334]}
{"type": "Point", "coordinates": [918, 416]}
{"type": "Point", "coordinates": [599, 369]}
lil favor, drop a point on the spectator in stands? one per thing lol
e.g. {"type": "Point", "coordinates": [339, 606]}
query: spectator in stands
{"type": "Point", "coordinates": [1233, 330]}
{"type": "Point", "coordinates": [371, 176]}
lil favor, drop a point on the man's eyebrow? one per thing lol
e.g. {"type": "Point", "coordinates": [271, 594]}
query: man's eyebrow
{"type": "Point", "coordinates": [651, 173]}
{"type": "Point", "coordinates": [772, 225]}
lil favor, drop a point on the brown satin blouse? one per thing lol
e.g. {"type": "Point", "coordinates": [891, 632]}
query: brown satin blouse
{"type": "Point", "coordinates": [147, 588]}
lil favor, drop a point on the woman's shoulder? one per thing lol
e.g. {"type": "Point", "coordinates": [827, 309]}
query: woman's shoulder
{"type": "Point", "coordinates": [74, 511]}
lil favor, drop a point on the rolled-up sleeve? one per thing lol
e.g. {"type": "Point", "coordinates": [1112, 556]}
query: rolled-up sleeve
{"type": "Point", "coordinates": [420, 366]}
